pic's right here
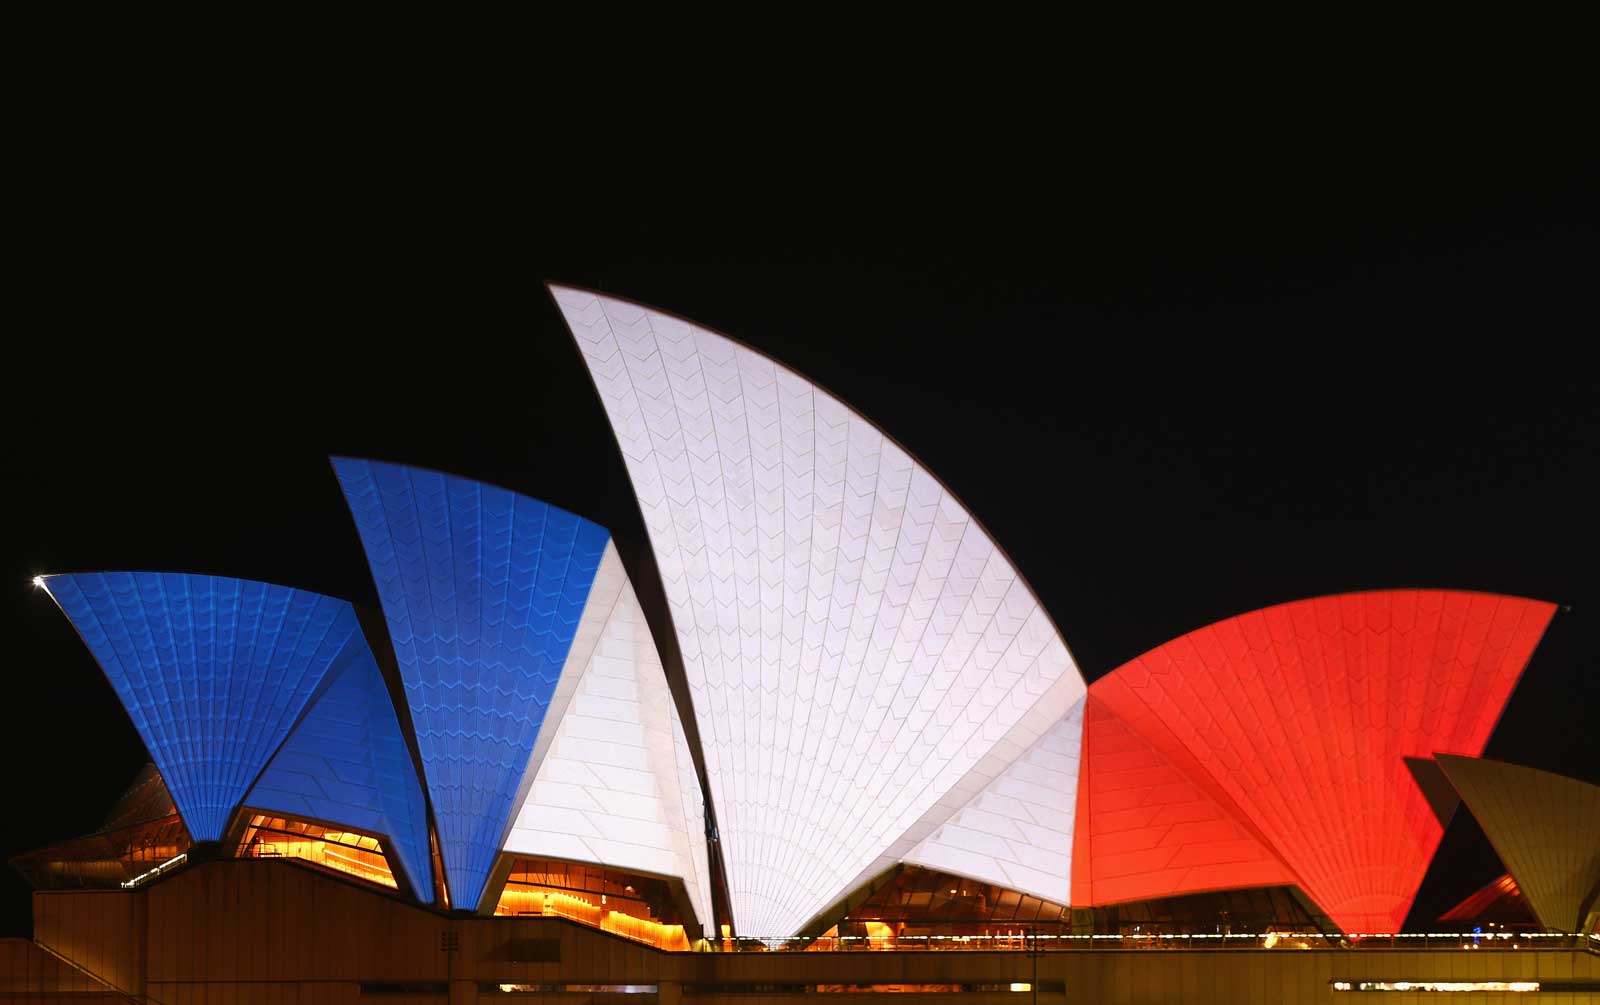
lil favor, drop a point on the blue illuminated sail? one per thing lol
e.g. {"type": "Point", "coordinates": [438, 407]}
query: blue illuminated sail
{"type": "Point", "coordinates": [214, 672]}
{"type": "Point", "coordinates": [347, 763]}
{"type": "Point", "coordinates": [483, 590]}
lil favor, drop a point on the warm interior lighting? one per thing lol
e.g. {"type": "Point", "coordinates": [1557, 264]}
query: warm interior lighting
{"type": "Point", "coordinates": [1517, 986]}
{"type": "Point", "coordinates": [358, 855]}
{"type": "Point", "coordinates": [575, 907]}
{"type": "Point", "coordinates": [878, 931]}
{"type": "Point", "coordinates": [880, 989]}
{"type": "Point", "coordinates": [106, 858]}
{"type": "Point", "coordinates": [592, 895]}
{"type": "Point", "coordinates": [611, 989]}
{"type": "Point", "coordinates": [143, 877]}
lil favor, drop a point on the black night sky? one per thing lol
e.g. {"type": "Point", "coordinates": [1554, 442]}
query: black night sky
{"type": "Point", "coordinates": [1174, 389]}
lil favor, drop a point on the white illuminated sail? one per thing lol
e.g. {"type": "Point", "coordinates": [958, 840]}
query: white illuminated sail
{"type": "Point", "coordinates": [862, 658]}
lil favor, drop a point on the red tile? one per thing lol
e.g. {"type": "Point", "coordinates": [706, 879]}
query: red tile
{"type": "Point", "coordinates": [1291, 724]}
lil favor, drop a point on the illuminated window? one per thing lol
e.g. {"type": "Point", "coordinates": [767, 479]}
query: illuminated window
{"type": "Point", "coordinates": [348, 852]}
{"type": "Point", "coordinates": [772, 988]}
{"type": "Point", "coordinates": [637, 907]}
{"type": "Point", "coordinates": [919, 908]}
{"type": "Point", "coordinates": [885, 988]}
{"type": "Point", "coordinates": [544, 989]}
{"type": "Point", "coordinates": [107, 858]}
{"type": "Point", "coordinates": [1268, 909]}
{"type": "Point", "coordinates": [1414, 986]}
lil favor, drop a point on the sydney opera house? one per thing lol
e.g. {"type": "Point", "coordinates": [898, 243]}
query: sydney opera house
{"type": "Point", "coordinates": [832, 745]}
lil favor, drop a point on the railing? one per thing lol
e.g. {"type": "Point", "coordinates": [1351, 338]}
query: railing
{"type": "Point", "coordinates": [167, 866]}
{"type": "Point", "coordinates": [560, 905]}
{"type": "Point", "coordinates": [1052, 942]}
{"type": "Point", "coordinates": [110, 988]}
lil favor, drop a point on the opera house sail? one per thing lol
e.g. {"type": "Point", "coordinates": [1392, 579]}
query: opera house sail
{"type": "Point", "coordinates": [541, 711]}
{"type": "Point", "coordinates": [862, 657]}
{"type": "Point", "coordinates": [850, 725]}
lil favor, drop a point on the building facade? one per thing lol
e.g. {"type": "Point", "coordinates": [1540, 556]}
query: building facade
{"type": "Point", "coordinates": [852, 727]}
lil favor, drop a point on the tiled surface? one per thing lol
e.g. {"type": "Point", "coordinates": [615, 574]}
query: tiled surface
{"type": "Point", "coordinates": [1544, 827]}
{"type": "Point", "coordinates": [1148, 828]}
{"type": "Point", "coordinates": [617, 786]}
{"type": "Point", "coordinates": [1017, 833]}
{"type": "Point", "coordinates": [347, 763]}
{"type": "Point", "coordinates": [483, 591]}
{"type": "Point", "coordinates": [1301, 716]}
{"type": "Point", "coordinates": [145, 800]}
{"type": "Point", "coordinates": [855, 644]}
{"type": "Point", "coordinates": [213, 671]}
{"type": "Point", "coordinates": [1500, 895]}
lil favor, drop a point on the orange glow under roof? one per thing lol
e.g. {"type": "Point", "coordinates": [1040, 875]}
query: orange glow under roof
{"type": "Point", "coordinates": [358, 855]}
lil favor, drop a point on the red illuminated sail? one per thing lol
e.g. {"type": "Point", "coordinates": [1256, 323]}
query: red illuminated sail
{"type": "Point", "coordinates": [1298, 719]}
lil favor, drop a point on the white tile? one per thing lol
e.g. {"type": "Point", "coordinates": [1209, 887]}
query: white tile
{"type": "Point", "coordinates": [854, 642]}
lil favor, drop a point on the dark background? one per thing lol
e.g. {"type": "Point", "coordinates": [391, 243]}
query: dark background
{"type": "Point", "coordinates": [1176, 383]}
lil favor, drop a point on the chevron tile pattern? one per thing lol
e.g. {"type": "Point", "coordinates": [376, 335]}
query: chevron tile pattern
{"type": "Point", "coordinates": [617, 787]}
{"type": "Point", "coordinates": [1544, 827]}
{"type": "Point", "coordinates": [483, 591]}
{"type": "Point", "coordinates": [1301, 716]}
{"type": "Point", "coordinates": [1017, 833]}
{"type": "Point", "coordinates": [347, 763]}
{"type": "Point", "coordinates": [213, 672]}
{"type": "Point", "coordinates": [1148, 828]}
{"type": "Point", "coordinates": [691, 797]}
{"type": "Point", "coordinates": [145, 800]}
{"type": "Point", "coordinates": [855, 644]}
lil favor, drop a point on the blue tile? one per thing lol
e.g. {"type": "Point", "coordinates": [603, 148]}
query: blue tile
{"type": "Point", "coordinates": [347, 763]}
{"type": "Point", "coordinates": [214, 672]}
{"type": "Point", "coordinates": [482, 590]}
